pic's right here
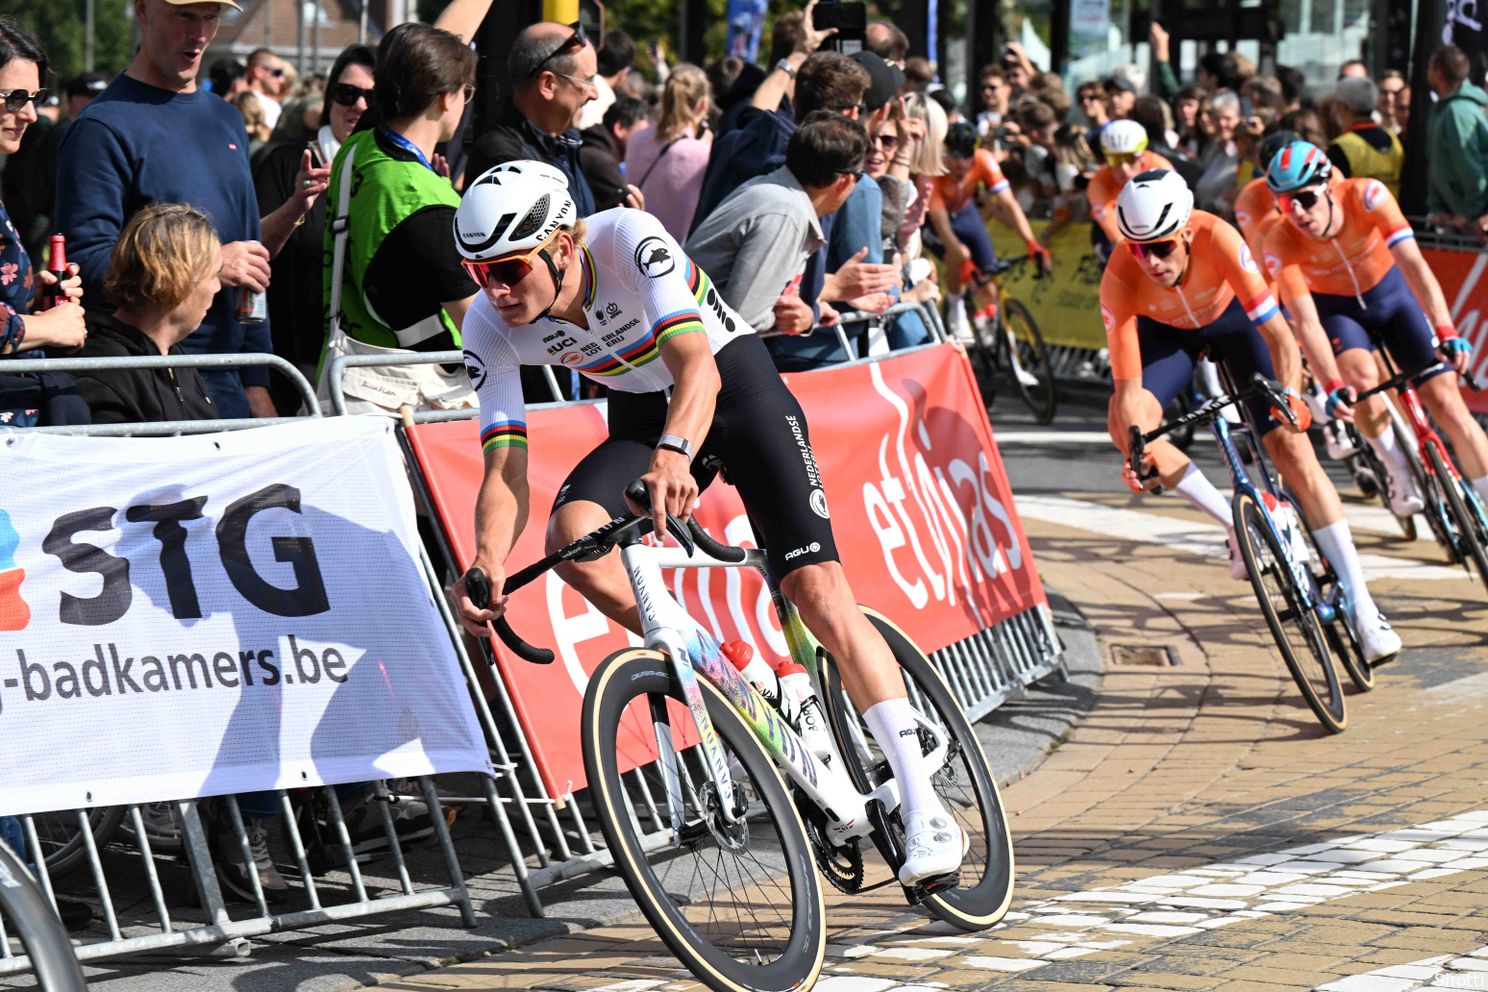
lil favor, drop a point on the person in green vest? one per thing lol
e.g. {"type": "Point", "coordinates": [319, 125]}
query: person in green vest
{"type": "Point", "coordinates": [1364, 149]}
{"type": "Point", "coordinates": [1457, 166]}
{"type": "Point", "coordinates": [402, 287]}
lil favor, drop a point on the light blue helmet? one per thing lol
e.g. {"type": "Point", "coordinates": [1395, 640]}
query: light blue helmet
{"type": "Point", "coordinates": [1297, 165]}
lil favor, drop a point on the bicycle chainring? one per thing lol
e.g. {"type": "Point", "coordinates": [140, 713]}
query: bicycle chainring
{"type": "Point", "coordinates": [843, 866]}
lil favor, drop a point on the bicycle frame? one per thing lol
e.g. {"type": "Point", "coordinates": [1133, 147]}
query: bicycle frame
{"type": "Point", "coordinates": [693, 653]}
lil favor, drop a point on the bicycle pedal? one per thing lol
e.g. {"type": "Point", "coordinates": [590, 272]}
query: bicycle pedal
{"type": "Point", "coordinates": [920, 891]}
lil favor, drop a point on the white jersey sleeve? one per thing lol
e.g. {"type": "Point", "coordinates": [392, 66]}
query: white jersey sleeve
{"type": "Point", "coordinates": [495, 374]}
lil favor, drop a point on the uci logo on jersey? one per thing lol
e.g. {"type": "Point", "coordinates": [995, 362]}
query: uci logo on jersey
{"type": "Point", "coordinates": [654, 258]}
{"type": "Point", "coordinates": [14, 613]}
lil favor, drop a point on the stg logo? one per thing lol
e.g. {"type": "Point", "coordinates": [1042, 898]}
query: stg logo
{"type": "Point", "coordinates": [14, 613]}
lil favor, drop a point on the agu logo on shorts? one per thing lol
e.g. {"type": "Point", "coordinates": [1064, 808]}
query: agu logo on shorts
{"type": "Point", "coordinates": [14, 613]}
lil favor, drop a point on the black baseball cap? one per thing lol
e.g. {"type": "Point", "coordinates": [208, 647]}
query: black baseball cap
{"type": "Point", "coordinates": [884, 79]}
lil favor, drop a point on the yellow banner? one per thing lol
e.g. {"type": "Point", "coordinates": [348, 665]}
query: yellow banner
{"type": "Point", "coordinates": [1065, 303]}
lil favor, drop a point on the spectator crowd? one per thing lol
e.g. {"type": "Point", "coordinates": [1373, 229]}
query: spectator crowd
{"type": "Point", "coordinates": [817, 185]}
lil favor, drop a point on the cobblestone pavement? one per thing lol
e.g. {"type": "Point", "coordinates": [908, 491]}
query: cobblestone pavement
{"type": "Point", "coordinates": [1196, 830]}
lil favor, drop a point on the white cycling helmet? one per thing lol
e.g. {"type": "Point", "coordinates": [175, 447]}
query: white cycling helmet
{"type": "Point", "coordinates": [512, 208]}
{"type": "Point", "coordinates": [1154, 206]}
{"type": "Point", "coordinates": [1123, 137]}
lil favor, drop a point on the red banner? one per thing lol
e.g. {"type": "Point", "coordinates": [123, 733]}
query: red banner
{"type": "Point", "coordinates": [921, 508]}
{"type": "Point", "coordinates": [1461, 276]}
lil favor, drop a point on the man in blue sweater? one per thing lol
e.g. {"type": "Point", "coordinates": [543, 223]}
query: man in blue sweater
{"type": "Point", "coordinates": [152, 136]}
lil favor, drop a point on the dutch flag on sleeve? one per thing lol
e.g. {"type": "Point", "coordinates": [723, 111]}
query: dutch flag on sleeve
{"type": "Point", "coordinates": [1261, 309]}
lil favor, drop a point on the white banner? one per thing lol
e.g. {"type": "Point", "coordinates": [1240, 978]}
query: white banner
{"type": "Point", "coordinates": [225, 613]}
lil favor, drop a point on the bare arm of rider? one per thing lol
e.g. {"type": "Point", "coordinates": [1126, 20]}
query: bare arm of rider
{"type": "Point", "coordinates": [1424, 287]}
{"type": "Point", "coordinates": [1308, 328]}
{"type": "Point", "coordinates": [1286, 358]}
{"type": "Point", "coordinates": [673, 490]}
{"type": "Point", "coordinates": [500, 516]}
{"type": "Point", "coordinates": [1005, 208]}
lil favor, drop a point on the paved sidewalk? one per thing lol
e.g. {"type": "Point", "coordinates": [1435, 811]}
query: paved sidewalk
{"type": "Point", "coordinates": [1197, 830]}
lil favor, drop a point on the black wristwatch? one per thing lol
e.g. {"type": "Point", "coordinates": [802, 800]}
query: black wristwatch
{"type": "Point", "coordinates": [677, 443]}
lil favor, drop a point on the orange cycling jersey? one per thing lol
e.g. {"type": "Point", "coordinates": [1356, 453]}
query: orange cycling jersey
{"type": "Point", "coordinates": [1220, 267]}
{"type": "Point", "coordinates": [1256, 213]}
{"type": "Point", "coordinates": [1104, 187]}
{"type": "Point", "coordinates": [1353, 262]}
{"type": "Point", "coordinates": [952, 195]}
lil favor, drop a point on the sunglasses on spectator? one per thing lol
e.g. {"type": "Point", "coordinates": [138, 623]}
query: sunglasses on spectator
{"type": "Point", "coordinates": [1114, 159]}
{"type": "Point", "coordinates": [1153, 249]}
{"type": "Point", "coordinates": [16, 100]}
{"type": "Point", "coordinates": [572, 43]}
{"type": "Point", "coordinates": [277, 73]}
{"type": "Point", "coordinates": [888, 142]}
{"type": "Point", "coordinates": [1089, 97]}
{"type": "Point", "coordinates": [347, 95]}
{"type": "Point", "coordinates": [1304, 198]}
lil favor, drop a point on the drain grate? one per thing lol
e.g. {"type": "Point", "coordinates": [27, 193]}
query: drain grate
{"type": "Point", "coordinates": [1144, 655]}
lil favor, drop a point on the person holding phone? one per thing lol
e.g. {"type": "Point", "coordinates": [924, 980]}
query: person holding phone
{"type": "Point", "coordinates": [289, 181]}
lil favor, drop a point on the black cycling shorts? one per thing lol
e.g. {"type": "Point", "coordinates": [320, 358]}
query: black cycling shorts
{"type": "Point", "coordinates": [758, 438]}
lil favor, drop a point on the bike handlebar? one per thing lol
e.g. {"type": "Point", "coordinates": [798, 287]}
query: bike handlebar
{"type": "Point", "coordinates": [1260, 385]}
{"type": "Point", "coordinates": [595, 544]}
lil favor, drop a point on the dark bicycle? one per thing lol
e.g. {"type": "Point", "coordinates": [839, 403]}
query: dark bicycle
{"type": "Point", "coordinates": [1273, 544]}
{"type": "Point", "coordinates": [1454, 511]}
{"type": "Point", "coordinates": [1010, 342]}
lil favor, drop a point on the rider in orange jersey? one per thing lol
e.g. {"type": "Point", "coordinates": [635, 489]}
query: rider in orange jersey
{"type": "Point", "coordinates": [1255, 205]}
{"type": "Point", "coordinates": [1347, 263]}
{"type": "Point", "coordinates": [957, 221]}
{"type": "Point", "coordinates": [1187, 284]}
{"type": "Point", "coordinates": [1124, 144]}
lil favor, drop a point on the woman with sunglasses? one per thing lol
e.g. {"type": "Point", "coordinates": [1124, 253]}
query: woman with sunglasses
{"type": "Point", "coordinates": [1183, 284]}
{"type": "Point", "coordinates": [616, 298]}
{"type": "Point", "coordinates": [22, 67]}
{"type": "Point", "coordinates": [1349, 268]}
{"type": "Point", "coordinates": [290, 180]}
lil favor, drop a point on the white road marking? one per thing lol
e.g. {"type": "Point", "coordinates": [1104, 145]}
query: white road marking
{"type": "Point", "coordinates": [1005, 438]}
{"type": "Point", "coordinates": [1444, 971]}
{"type": "Point", "coordinates": [1188, 902]}
{"type": "Point", "coordinates": [1204, 538]}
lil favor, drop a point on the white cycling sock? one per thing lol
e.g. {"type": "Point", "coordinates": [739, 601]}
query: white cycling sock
{"type": "Point", "coordinates": [955, 310]}
{"type": "Point", "coordinates": [1389, 451]}
{"type": "Point", "coordinates": [1198, 490]}
{"type": "Point", "coordinates": [1337, 543]}
{"type": "Point", "coordinates": [1480, 485]}
{"type": "Point", "coordinates": [894, 727]}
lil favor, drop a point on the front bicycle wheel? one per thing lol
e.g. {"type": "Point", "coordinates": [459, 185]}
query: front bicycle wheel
{"type": "Point", "coordinates": [1467, 518]}
{"type": "Point", "coordinates": [28, 915]}
{"type": "Point", "coordinates": [1298, 634]}
{"type": "Point", "coordinates": [1031, 369]}
{"type": "Point", "coordinates": [965, 784]}
{"type": "Point", "coordinates": [738, 903]}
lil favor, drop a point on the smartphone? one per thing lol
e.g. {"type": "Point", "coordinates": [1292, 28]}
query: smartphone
{"type": "Point", "coordinates": [850, 18]}
{"type": "Point", "coordinates": [317, 157]}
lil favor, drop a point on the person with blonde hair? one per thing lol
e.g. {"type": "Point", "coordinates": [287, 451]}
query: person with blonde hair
{"type": "Point", "coordinates": [671, 157]}
{"type": "Point", "coordinates": [162, 276]}
{"type": "Point", "coordinates": [928, 119]}
{"type": "Point", "coordinates": [254, 122]}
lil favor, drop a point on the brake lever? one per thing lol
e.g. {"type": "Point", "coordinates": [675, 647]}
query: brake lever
{"type": "Point", "coordinates": [1137, 448]}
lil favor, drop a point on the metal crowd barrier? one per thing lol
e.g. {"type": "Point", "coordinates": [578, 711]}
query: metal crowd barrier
{"type": "Point", "coordinates": [168, 427]}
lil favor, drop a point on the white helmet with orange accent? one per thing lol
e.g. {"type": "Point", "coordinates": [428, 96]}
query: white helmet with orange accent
{"type": "Point", "coordinates": [1154, 206]}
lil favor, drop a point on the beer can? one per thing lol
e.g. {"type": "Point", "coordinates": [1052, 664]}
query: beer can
{"type": "Point", "coordinates": [253, 308]}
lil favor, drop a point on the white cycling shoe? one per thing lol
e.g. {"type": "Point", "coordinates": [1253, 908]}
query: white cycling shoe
{"type": "Point", "coordinates": [934, 845]}
{"type": "Point", "coordinates": [1405, 498]}
{"type": "Point", "coordinates": [1377, 640]}
{"type": "Point", "coordinates": [958, 326]}
{"type": "Point", "coordinates": [1024, 376]}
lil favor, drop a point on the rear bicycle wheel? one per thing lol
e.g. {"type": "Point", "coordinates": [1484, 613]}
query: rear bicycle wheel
{"type": "Point", "coordinates": [1471, 530]}
{"type": "Point", "coordinates": [1295, 628]}
{"type": "Point", "coordinates": [739, 904]}
{"type": "Point", "coordinates": [30, 917]}
{"type": "Point", "coordinates": [1030, 368]}
{"type": "Point", "coordinates": [1341, 638]}
{"type": "Point", "coordinates": [965, 784]}
{"type": "Point", "coordinates": [61, 836]}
